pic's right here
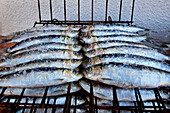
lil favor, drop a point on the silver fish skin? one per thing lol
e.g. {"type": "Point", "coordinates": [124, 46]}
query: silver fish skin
{"type": "Point", "coordinates": [133, 50]}
{"type": "Point", "coordinates": [68, 64]}
{"type": "Point", "coordinates": [113, 27]}
{"type": "Point", "coordinates": [39, 55]}
{"type": "Point", "coordinates": [106, 92]}
{"type": "Point", "coordinates": [45, 46]}
{"type": "Point", "coordinates": [19, 38]}
{"type": "Point", "coordinates": [93, 39]}
{"type": "Point", "coordinates": [127, 76]}
{"type": "Point", "coordinates": [46, 29]}
{"type": "Point", "coordinates": [108, 33]}
{"type": "Point", "coordinates": [127, 59]}
{"type": "Point", "coordinates": [41, 40]}
{"type": "Point", "coordinates": [39, 91]}
{"type": "Point", "coordinates": [107, 44]}
{"type": "Point", "coordinates": [41, 78]}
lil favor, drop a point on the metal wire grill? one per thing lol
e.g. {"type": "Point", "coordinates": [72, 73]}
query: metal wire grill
{"type": "Point", "coordinates": [107, 19]}
{"type": "Point", "coordinates": [13, 103]}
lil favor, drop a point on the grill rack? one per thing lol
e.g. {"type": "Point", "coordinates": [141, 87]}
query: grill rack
{"type": "Point", "coordinates": [92, 107]}
{"type": "Point", "coordinates": [107, 19]}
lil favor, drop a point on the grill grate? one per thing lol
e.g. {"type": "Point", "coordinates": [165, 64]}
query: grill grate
{"type": "Point", "coordinates": [13, 102]}
{"type": "Point", "coordinates": [107, 19]}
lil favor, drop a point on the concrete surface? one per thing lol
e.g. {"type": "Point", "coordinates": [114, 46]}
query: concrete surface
{"type": "Point", "coordinates": [21, 14]}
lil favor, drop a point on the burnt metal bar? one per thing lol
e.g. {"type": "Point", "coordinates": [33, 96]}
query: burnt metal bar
{"type": "Point", "coordinates": [114, 100]}
{"type": "Point", "coordinates": [138, 99]}
{"type": "Point", "coordinates": [120, 11]}
{"type": "Point", "coordinates": [92, 109]}
{"type": "Point", "coordinates": [160, 98]}
{"type": "Point", "coordinates": [33, 105]}
{"type": "Point", "coordinates": [133, 5]}
{"type": "Point", "coordinates": [25, 105]}
{"type": "Point", "coordinates": [39, 10]}
{"type": "Point", "coordinates": [92, 11]}
{"type": "Point", "coordinates": [78, 10]}
{"type": "Point", "coordinates": [75, 103]}
{"type": "Point", "coordinates": [2, 92]}
{"type": "Point", "coordinates": [96, 105]}
{"type": "Point", "coordinates": [53, 110]}
{"type": "Point", "coordinates": [44, 97]}
{"type": "Point", "coordinates": [48, 100]}
{"type": "Point", "coordinates": [67, 106]}
{"type": "Point", "coordinates": [106, 10]}
{"type": "Point", "coordinates": [51, 11]}
{"type": "Point", "coordinates": [65, 11]}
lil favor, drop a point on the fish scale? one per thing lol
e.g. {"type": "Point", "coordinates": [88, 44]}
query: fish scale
{"type": "Point", "coordinates": [133, 50]}
{"type": "Point", "coordinates": [106, 92]}
{"type": "Point", "coordinates": [13, 68]}
{"type": "Point", "coordinates": [127, 59]}
{"type": "Point", "coordinates": [42, 77]}
{"type": "Point", "coordinates": [39, 55]}
{"type": "Point", "coordinates": [127, 76]}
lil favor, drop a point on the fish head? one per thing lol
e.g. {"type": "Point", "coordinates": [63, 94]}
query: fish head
{"type": "Point", "coordinates": [77, 54]}
{"type": "Point", "coordinates": [76, 47]}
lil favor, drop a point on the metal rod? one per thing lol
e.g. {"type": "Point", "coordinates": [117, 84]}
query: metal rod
{"type": "Point", "coordinates": [133, 5]}
{"type": "Point", "coordinates": [65, 10]}
{"type": "Point", "coordinates": [66, 108]}
{"type": "Point", "coordinates": [78, 10]}
{"type": "Point", "coordinates": [106, 10]}
{"type": "Point", "coordinates": [51, 11]}
{"type": "Point", "coordinates": [92, 12]}
{"type": "Point", "coordinates": [39, 10]}
{"type": "Point", "coordinates": [120, 13]}
{"type": "Point", "coordinates": [44, 97]}
{"type": "Point", "coordinates": [92, 109]}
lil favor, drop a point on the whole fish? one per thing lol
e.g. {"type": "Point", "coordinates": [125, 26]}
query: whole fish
{"type": "Point", "coordinates": [107, 44]}
{"type": "Point", "coordinates": [45, 63]}
{"type": "Point", "coordinates": [106, 92]}
{"type": "Point", "coordinates": [114, 27]}
{"type": "Point", "coordinates": [93, 39]}
{"type": "Point", "coordinates": [41, 46]}
{"type": "Point", "coordinates": [126, 59]}
{"type": "Point", "coordinates": [39, 55]}
{"type": "Point", "coordinates": [44, 39]}
{"type": "Point", "coordinates": [128, 76]}
{"type": "Point", "coordinates": [18, 38]}
{"type": "Point", "coordinates": [40, 77]}
{"type": "Point", "coordinates": [108, 33]}
{"type": "Point", "coordinates": [39, 91]}
{"type": "Point", "coordinates": [42, 29]}
{"type": "Point", "coordinates": [133, 50]}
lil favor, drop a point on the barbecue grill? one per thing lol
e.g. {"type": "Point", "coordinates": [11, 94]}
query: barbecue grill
{"type": "Point", "coordinates": [14, 103]}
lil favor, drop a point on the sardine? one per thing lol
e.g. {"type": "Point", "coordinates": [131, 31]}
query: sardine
{"type": "Point", "coordinates": [108, 33]}
{"type": "Point", "coordinates": [25, 36]}
{"type": "Point", "coordinates": [114, 27]}
{"type": "Point", "coordinates": [128, 76]}
{"type": "Point", "coordinates": [45, 63]}
{"type": "Point", "coordinates": [126, 59]}
{"type": "Point", "coordinates": [18, 49]}
{"type": "Point", "coordinates": [132, 50]}
{"type": "Point", "coordinates": [39, 55]}
{"type": "Point", "coordinates": [93, 39]}
{"type": "Point", "coordinates": [107, 44]}
{"type": "Point", "coordinates": [39, 91]}
{"type": "Point", "coordinates": [106, 92]}
{"type": "Point", "coordinates": [40, 77]}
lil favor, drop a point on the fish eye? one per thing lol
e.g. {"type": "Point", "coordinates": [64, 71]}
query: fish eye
{"type": "Point", "coordinates": [75, 72]}
{"type": "Point", "coordinates": [90, 70]}
{"type": "Point", "coordinates": [93, 51]}
{"type": "Point", "coordinates": [89, 37]}
{"type": "Point", "coordinates": [89, 60]}
{"type": "Point", "coordinates": [74, 46]}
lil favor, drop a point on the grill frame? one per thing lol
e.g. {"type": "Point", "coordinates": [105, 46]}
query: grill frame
{"type": "Point", "coordinates": [92, 106]}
